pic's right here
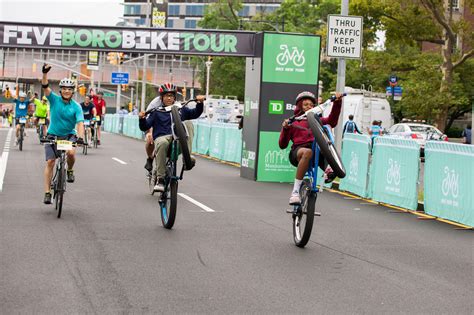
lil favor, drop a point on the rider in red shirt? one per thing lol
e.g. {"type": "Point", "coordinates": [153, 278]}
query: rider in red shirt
{"type": "Point", "coordinates": [99, 104]}
{"type": "Point", "coordinates": [302, 137]}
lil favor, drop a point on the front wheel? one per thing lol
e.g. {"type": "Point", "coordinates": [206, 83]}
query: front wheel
{"type": "Point", "coordinates": [168, 204]}
{"type": "Point", "coordinates": [326, 146]}
{"type": "Point", "coordinates": [304, 216]}
{"type": "Point", "coordinates": [20, 140]}
{"type": "Point", "coordinates": [182, 137]}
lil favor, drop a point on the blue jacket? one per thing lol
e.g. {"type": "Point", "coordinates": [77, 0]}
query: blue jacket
{"type": "Point", "coordinates": [161, 121]}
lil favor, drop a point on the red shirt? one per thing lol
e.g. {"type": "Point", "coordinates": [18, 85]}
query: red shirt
{"type": "Point", "coordinates": [98, 105]}
{"type": "Point", "coordinates": [300, 136]}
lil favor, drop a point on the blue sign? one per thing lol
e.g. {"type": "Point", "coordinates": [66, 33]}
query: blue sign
{"type": "Point", "coordinates": [397, 90]}
{"type": "Point", "coordinates": [120, 77]}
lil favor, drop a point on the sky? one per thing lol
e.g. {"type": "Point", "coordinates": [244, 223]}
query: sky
{"type": "Point", "coordinates": [79, 12]}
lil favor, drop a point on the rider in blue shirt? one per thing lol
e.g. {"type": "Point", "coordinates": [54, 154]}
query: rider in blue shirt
{"type": "Point", "coordinates": [21, 110]}
{"type": "Point", "coordinates": [375, 130]}
{"type": "Point", "coordinates": [65, 115]}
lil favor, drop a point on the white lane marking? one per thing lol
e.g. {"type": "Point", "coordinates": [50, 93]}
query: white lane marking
{"type": "Point", "coordinates": [4, 158]}
{"type": "Point", "coordinates": [118, 160]}
{"type": "Point", "coordinates": [197, 203]}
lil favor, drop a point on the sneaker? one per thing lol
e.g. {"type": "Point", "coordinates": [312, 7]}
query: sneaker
{"type": "Point", "coordinates": [160, 185]}
{"type": "Point", "coordinates": [98, 142]}
{"type": "Point", "coordinates": [70, 176]}
{"type": "Point", "coordinates": [193, 163]}
{"type": "Point", "coordinates": [149, 164]}
{"type": "Point", "coordinates": [47, 198]}
{"type": "Point", "coordinates": [329, 175]}
{"type": "Point", "coordinates": [295, 199]}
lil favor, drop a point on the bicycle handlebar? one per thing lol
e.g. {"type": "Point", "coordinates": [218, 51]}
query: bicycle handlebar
{"type": "Point", "coordinates": [182, 105]}
{"type": "Point", "coordinates": [320, 107]}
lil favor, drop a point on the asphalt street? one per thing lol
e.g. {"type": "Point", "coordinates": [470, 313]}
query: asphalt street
{"type": "Point", "coordinates": [109, 253]}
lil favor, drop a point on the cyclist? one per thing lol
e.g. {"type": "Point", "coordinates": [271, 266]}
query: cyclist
{"type": "Point", "coordinates": [66, 114]}
{"type": "Point", "coordinates": [99, 104]}
{"type": "Point", "coordinates": [41, 111]}
{"type": "Point", "coordinates": [21, 110]}
{"type": "Point", "coordinates": [302, 137]}
{"type": "Point", "coordinates": [89, 112]}
{"type": "Point", "coordinates": [161, 123]}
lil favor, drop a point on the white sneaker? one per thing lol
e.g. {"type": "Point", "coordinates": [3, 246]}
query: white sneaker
{"type": "Point", "coordinates": [159, 186]}
{"type": "Point", "coordinates": [295, 199]}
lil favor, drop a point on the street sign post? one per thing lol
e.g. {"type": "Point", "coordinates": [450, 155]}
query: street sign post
{"type": "Point", "coordinates": [344, 36]}
{"type": "Point", "coordinates": [120, 77]}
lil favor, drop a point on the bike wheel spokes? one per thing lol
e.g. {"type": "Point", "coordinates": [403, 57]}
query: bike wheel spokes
{"type": "Point", "coordinates": [304, 216]}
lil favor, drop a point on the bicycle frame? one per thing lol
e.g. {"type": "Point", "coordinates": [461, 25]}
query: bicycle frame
{"type": "Point", "coordinates": [312, 171]}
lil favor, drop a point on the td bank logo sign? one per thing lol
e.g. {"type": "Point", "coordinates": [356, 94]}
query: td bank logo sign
{"type": "Point", "coordinates": [276, 107]}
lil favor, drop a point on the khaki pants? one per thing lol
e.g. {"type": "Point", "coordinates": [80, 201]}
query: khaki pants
{"type": "Point", "coordinates": [161, 149]}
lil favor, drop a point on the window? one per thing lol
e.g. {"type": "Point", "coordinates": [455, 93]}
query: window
{"type": "Point", "coordinates": [132, 9]}
{"type": "Point", "coordinates": [245, 11]}
{"type": "Point", "coordinates": [173, 9]}
{"type": "Point", "coordinates": [170, 23]}
{"type": "Point", "coordinates": [455, 4]}
{"type": "Point", "coordinates": [190, 23]}
{"type": "Point", "coordinates": [140, 21]}
{"type": "Point", "coordinates": [265, 9]}
{"type": "Point", "coordinates": [195, 10]}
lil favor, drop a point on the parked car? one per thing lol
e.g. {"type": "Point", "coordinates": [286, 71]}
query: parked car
{"type": "Point", "coordinates": [418, 132]}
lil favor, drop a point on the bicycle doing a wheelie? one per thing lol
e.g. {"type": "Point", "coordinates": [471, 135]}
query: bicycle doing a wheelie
{"type": "Point", "coordinates": [58, 183]}
{"type": "Point", "coordinates": [168, 198]}
{"type": "Point", "coordinates": [303, 213]}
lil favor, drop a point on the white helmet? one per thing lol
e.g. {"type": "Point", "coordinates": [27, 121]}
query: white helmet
{"type": "Point", "coordinates": [66, 82]}
{"type": "Point", "coordinates": [22, 94]}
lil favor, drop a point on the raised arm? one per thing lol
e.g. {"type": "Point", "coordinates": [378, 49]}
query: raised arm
{"type": "Point", "coordinates": [44, 80]}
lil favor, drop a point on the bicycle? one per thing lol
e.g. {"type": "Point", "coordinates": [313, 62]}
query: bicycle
{"type": "Point", "coordinates": [22, 122]}
{"type": "Point", "coordinates": [41, 123]}
{"type": "Point", "coordinates": [304, 213]}
{"type": "Point", "coordinates": [168, 199]}
{"type": "Point", "coordinates": [95, 126]}
{"type": "Point", "coordinates": [58, 183]}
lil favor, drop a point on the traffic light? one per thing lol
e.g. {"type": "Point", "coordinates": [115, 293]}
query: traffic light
{"type": "Point", "coordinates": [130, 106]}
{"type": "Point", "coordinates": [121, 57]}
{"type": "Point", "coordinates": [112, 58]}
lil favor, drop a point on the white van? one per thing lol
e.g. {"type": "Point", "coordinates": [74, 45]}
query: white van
{"type": "Point", "coordinates": [366, 106]}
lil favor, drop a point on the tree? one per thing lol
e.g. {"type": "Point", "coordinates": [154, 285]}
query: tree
{"type": "Point", "coordinates": [417, 21]}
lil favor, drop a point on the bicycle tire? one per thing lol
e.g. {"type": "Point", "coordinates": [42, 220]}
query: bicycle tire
{"type": "Point", "coordinates": [180, 132]}
{"type": "Point", "coordinates": [303, 219]}
{"type": "Point", "coordinates": [326, 146]}
{"type": "Point", "coordinates": [84, 146]}
{"type": "Point", "coordinates": [61, 189]}
{"type": "Point", "coordinates": [168, 205]}
{"type": "Point", "coordinates": [20, 141]}
{"type": "Point", "coordinates": [95, 136]}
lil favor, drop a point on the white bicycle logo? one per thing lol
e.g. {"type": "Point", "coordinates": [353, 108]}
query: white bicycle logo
{"type": "Point", "coordinates": [450, 183]}
{"type": "Point", "coordinates": [393, 172]}
{"type": "Point", "coordinates": [297, 57]}
{"type": "Point", "coordinates": [354, 165]}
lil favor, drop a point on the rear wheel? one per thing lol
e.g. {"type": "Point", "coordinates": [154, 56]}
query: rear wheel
{"type": "Point", "coordinates": [182, 137]}
{"type": "Point", "coordinates": [168, 204]}
{"type": "Point", "coordinates": [304, 216]}
{"type": "Point", "coordinates": [20, 140]}
{"type": "Point", "coordinates": [326, 146]}
{"type": "Point", "coordinates": [61, 188]}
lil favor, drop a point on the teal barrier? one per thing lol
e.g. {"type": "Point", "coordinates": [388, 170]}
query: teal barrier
{"type": "Point", "coordinates": [448, 179]}
{"type": "Point", "coordinates": [217, 141]}
{"type": "Point", "coordinates": [233, 144]}
{"type": "Point", "coordinates": [204, 136]}
{"type": "Point", "coordinates": [355, 157]}
{"type": "Point", "coordinates": [394, 172]}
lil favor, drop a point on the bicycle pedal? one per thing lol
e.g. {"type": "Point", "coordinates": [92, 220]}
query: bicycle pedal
{"type": "Point", "coordinates": [290, 211]}
{"type": "Point", "coordinates": [317, 214]}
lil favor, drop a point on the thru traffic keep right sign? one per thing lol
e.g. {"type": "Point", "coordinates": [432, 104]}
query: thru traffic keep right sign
{"type": "Point", "coordinates": [344, 36]}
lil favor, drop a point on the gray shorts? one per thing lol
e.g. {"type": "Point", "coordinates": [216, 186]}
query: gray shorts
{"type": "Point", "coordinates": [50, 149]}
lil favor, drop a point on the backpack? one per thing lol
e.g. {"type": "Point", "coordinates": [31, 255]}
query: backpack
{"type": "Point", "coordinates": [350, 127]}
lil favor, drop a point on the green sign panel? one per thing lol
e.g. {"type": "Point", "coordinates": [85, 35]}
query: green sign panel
{"type": "Point", "coordinates": [276, 107]}
{"type": "Point", "coordinates": [273, 162]}
{"type": "Point", "coordinates": [291, 58]}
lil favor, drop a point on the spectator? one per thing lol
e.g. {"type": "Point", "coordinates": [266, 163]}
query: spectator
{"type": "Point", "coordinates": [467, 135]}
{"type": "Point", "coordinates": [135, 110]}
{"type": "Point", "coordinates": [350, 126]}
{"type": "Point", "coordinates": [375, 130]}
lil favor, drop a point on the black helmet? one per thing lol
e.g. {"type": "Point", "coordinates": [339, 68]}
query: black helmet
{"type": "Point", "coordinates": [168, 88]}
{"type": "Point", "coordinates": [305, 94]}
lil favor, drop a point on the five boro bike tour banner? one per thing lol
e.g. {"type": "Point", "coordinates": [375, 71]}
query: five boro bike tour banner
{"type": "Point", "coordinates": [146, 40]}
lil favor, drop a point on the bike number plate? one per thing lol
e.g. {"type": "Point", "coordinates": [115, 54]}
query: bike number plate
{"type": "Point", "coordinates": [64, 145]}
{"type": "Point", "coordinates": [87, 123]}
{"type": "Point", "coordinates": [22, 120]}
{"type": "Point", "coordinates": [42, 121]}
